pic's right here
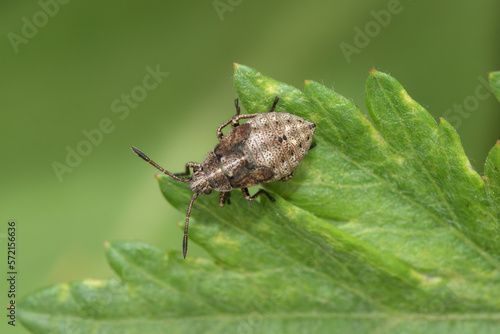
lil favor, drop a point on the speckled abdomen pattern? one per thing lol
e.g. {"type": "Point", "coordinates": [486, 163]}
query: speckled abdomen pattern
{"type": "Point", "coordinates": [279, 141]}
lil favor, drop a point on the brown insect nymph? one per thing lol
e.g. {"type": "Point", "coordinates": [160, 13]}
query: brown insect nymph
{"type": "Point", "coordinates": [266, 148]}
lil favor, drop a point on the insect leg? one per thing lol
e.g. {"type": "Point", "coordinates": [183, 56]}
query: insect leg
{"type": "Point", "coordinates": [234, 122]}
{"type": "Point", "coordinates": [219, 129]}
{"type": "Point", "coordinates": [235, 119]}
{"type": "Point", "coordinates": [247, 196]}
{"type": "Point", "coordinates": [274, 104]}
{"type": "Point", "coordinates": [224, 198]}
{"type": "Point", "coordinates": [194, 165]}
{"type": "Point", "coordinates": [288, 177]}
{"type": "Point", "coordinates": [237, 107]}
{"type": "Point", "coordinates": [223, 125]}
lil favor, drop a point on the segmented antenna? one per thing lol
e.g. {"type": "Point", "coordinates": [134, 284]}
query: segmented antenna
{"type": "Point", "coordinates": [186, 226]}
{"type": "Point", "coordinates": [146, 158]}
{"type": "Point", "coordinates": [183, 179]}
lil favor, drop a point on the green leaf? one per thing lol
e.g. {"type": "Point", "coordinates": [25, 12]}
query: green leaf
{"type": "Point", "coordinates": [495, 83]}
{"type": "Point", "coordinates": [492, 176]}
{"type": "Point", "coordinates": [385, 228]}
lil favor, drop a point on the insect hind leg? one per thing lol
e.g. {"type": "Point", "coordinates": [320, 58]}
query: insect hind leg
{"type": "Point", "coordinates": [274, 104]}
{"type": "Point", "coordinates": [236, 104]}
{"type": "Point", "coordinates": [235, 121]}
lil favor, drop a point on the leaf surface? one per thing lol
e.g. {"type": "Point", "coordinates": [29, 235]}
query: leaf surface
{"type": "Point", "coordinates": [385, 228]}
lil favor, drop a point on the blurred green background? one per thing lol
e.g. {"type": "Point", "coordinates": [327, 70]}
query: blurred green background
{"type": "Point", "coordinates": [76, 66]}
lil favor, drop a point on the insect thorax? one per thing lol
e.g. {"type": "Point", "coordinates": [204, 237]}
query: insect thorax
{"type": "Point", "coordinates": [212, 175]}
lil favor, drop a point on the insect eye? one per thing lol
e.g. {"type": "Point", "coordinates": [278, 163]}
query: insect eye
{"type": "Point", "coordinates": [207, 191]}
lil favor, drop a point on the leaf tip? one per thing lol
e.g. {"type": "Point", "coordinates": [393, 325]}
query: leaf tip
{"type": "Point", "coordinates": [236, 65]}
{"type": "Point", "coordinates": [498, 143]}
{"type": "Point", "coordinates": [373, 71]}
{"type": "Point", "coordinates": [307, 84]}
{"type": "Point", "coordinates": [106, 244]}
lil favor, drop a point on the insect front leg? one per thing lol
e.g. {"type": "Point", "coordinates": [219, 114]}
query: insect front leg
{"type": "Point", "coordinates": [224, 198]}
{"type": "Point", "coordinates": [223, 125]}
{"type": "Point", "coordinates": [219, 129]}
{"type": "Point", "coordinates": [195, 166]}
{"type": "Point", "coordinates": [247, 196]}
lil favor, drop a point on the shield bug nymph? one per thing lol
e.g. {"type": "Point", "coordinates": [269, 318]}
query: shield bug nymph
{"type": "Point", "coordinates": [266, 148]}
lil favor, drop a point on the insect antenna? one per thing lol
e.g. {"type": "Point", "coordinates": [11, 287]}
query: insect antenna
{"type": "Point", "coordinates": [145, 158]}
{"type": "Point", "coordinates": [186, 226]}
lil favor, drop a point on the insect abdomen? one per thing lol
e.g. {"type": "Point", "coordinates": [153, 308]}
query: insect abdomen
{"type": "Point", "coordinates": [279, 141]}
